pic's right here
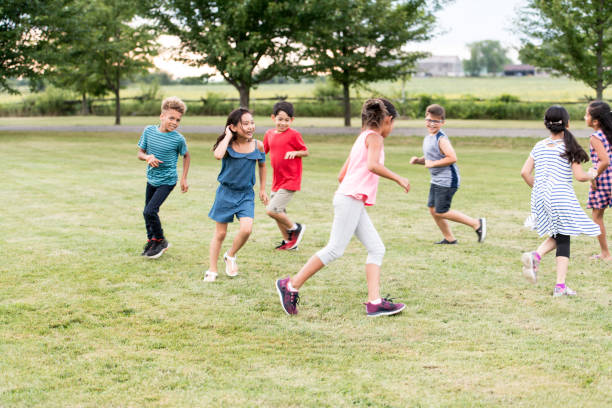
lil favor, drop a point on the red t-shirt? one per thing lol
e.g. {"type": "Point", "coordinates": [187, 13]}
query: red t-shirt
{"type": "Point", "coordinates": [287, 172]}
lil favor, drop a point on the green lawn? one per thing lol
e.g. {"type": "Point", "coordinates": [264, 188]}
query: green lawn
{"type": "Point", "coordinates": [86, 322]}
{"type": "Point", "coordinates": [526, 88]}
{"type": "Point", "coordinates": [262, 122]}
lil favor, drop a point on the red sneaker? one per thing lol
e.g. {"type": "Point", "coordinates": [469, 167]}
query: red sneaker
{"type": "Point", "coordinates": [295, 236]}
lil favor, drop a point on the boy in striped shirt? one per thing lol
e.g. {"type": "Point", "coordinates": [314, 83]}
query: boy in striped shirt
{"type": "Point", "coordinates": [160, 146]}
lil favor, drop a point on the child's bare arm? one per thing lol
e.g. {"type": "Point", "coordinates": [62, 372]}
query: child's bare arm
{"type": "Point", "coordinates": [219, 152]}
{"type": "Point", "coordinates": [417, 160]}
{"type": "Point", "coordinates": [375, 143]}
{"type": "Point", "coordinates": [527, 171]}
{"type": "Point", "coordinates": [262, 176]}
{"type": "Point", "coordinates": [447, 150]}
{"type": "Point", "coordinates": [343, 170]}
{"type": "Point", "coordinates": [296, 153]}
{"type": "Point", "coordinates": [186, 162]}
{"type": "Point", "coordinates": [149, 158]}
{"type": "Point", "coordinates": [581, 175]}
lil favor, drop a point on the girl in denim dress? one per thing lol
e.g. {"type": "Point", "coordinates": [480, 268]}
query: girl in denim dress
{"type": "Point", "coordinates": [239, 153]}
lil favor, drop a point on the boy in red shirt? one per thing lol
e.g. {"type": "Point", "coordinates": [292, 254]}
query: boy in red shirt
{"type": "Point", "coordinates": [286, 148]}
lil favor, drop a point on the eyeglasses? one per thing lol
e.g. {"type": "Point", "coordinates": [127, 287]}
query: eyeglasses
{"type": "Point", "coordinates": [434, 121]}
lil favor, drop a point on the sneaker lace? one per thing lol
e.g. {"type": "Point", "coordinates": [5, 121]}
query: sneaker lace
{"type": "Point", "coordinates": [387, 299]}
{"type": "Point", "coordinates": [294, 298]}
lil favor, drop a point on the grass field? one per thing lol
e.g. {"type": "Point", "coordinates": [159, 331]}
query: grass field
{"type": "Point", "coordinates": [86, 322]}
{"type": "Point", "coordinates": [263, 122]}
{"type": "Point", "coordinates": [547, 89]}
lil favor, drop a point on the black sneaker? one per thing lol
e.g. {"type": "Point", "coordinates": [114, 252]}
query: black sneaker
{"type": "Point", "coordinates": [482, 230]}
{"type": "Point", "coordinates": [281, 245]}
{"type": "Point", "coordinates": [147, 246]}
{"type": "Point", "coordinates": [158, 249]}
{"type": "Point", "coordinates": [446, 242]}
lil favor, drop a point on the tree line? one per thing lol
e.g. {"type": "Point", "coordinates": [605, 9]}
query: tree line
{"type": "Point", "coordinates": [90, 46]}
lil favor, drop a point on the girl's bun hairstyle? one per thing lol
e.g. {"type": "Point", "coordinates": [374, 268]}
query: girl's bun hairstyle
{"type": "Point", "coordinates": [374, 112]}
{"type": "Point", "coordinates": [556, 119]}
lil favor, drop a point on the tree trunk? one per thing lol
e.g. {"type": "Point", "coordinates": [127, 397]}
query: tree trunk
{"type": "Point", "coordinates": [347, 104]}
{"type": "Point", "coordinates": [245, 93]}
{"type": "Point", "coordinates": [84, 105]}
{"type": "Point", "coordinates": [117, 100]}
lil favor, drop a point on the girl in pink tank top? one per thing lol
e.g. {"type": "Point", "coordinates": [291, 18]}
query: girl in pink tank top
{"type": "Point", "coordinates": [358, 185]}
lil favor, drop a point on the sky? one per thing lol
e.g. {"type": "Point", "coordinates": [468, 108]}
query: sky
{"type": "Point", "coordinates": [459, 23]}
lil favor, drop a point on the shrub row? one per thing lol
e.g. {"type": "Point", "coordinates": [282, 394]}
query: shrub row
{"type": "Point", "coordinates": [57, 102]}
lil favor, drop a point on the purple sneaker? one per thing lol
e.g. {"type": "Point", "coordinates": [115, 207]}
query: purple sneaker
{"type": "Point", "coordinates": [288, 299]}
{"type": "Point", "coordinates": [386, 307]}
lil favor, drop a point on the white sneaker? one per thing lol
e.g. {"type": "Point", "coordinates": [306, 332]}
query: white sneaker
{"type": "Point", "coordinates": [231, 267]}
{"type": "Point", "coordinates": [566, 291]}
{"type": "Point", "coordinates": [210, 276]}
{"type": "Point", "coordinates": [530, 266]}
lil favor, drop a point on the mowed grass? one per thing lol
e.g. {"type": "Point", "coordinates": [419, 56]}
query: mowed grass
{"type": "Point", "coordinates": [87, 322]}
{"type": "Point", "coordinates": [550, 89]}
{"type": "Point", "coordinates": [264, 122]}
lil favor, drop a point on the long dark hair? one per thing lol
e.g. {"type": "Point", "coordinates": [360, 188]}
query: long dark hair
{"type": "Point", "coordinates": [233, 119]}
{"type": "Point", "coordinates": [600, 111]}
{"type": "Point", "coordinates": [374, 112]}
{"type": "Point", "coordinates": [556, 120]}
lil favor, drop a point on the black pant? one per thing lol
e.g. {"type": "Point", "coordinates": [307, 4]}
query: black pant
{"type": "Point", "coordinates": [563, 245]}
{"type": "Point", "coordinates": [154, 199]}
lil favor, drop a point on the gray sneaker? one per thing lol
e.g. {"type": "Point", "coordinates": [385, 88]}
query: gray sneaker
{"type": "Point", "coordinates": [566, 291]}
{"type": "Point", "coordinates": [530, 266]}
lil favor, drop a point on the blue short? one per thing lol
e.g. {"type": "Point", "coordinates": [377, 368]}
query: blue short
{"type": "Point", "coordinates": [229, 203]}
{"type": "Point", "coordinates": [441, 197]}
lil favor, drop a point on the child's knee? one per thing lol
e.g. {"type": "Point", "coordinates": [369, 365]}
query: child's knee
{"type": "Point", "coordinates": [376, 255]}
{"type": "Point", "coordinates": [440, 214]}
{"type": "Point", "coordinates": [220, 235]}
{"type": "Point", "coordinates": [271, 212]}
{"type": "Point", "coordinates": [246, 229]}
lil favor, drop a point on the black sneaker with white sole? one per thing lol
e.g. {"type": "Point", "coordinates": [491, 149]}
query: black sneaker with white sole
{"type": "Point", "coordinates": [482, 230]}
{"type": "Point", "coordinates": [147, 246]}
{"type": "Point", "coordinates": [158, 249]}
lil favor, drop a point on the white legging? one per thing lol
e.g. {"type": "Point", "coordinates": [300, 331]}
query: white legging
{"type": "Point", "coordinates": [351, 218]}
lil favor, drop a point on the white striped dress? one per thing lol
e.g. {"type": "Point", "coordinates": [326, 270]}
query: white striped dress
{"type": "Point", "coordinates": [553, 201]}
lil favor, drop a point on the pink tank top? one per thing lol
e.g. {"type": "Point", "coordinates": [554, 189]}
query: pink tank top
{"type": "Point", "coordinates": [359, 182]}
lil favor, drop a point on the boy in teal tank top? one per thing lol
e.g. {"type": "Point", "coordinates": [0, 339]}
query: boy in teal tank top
{"type": "Point", "coordinates": [160, 148]}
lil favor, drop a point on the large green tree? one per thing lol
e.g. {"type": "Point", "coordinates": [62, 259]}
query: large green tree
{"type": "Point", "coordinates": [103, 42]}
{"type": "Point", "coordinates": [26, 29]}
{"type": "Point", "coordinates": [247, 41]}
{"type": "Point", "coordinates": [360, 41]}
{"type": "Point", "coordinates": [569, 37]}
{"type": "Point", "coordinates": [485, 56]}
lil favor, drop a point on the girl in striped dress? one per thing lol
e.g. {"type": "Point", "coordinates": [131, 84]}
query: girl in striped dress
{"type": "Point", "coordinates": [599, 117]}
{"type": "Point", "coordinates": [554, 204]}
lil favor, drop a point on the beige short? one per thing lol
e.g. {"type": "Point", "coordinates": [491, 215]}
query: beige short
{"type": "Point", "coordinates": [279, 200]}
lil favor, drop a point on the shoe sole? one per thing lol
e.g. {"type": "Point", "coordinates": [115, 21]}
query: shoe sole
{"type": "Point", "coordinates": [483, 234]}
{"type": "Point", "coordinates": [297, 242]}
{"type": "Point", "coordinates": [280, 297]}
{"type": "Point", "coordinates": [160, 252]}
{"type": "Point", "coordinates": [528, 268]}
{"type": "Point", "coordinates": [392, 312]}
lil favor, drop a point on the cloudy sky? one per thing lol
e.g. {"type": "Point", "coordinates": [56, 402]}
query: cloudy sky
{"type": "Point", "coordinates": [459, 23]}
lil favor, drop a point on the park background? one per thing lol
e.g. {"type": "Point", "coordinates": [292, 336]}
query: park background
{"type": "Point", "coordinates": [86, 321]}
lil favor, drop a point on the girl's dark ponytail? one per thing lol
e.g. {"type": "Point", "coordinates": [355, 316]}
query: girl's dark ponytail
{"type": "Point", "coordinates": [600, 111]}
{"type": "Point", "coordinates": [233, 119]}
{"type": "Point", "coordinates": [556, 120]}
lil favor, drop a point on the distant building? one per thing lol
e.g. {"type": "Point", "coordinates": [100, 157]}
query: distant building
{"type": "Point", "coordinates": [519, 70]}
{"type": "Point", "coordinates": [440, 65]}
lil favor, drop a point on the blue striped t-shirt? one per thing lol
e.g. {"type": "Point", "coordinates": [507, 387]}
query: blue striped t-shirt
{"type": "Point", "coordinates": [165, 147]}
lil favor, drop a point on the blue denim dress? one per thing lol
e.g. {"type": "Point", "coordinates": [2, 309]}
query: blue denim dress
{"type": "Point", "coordinates": [235, 195]}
